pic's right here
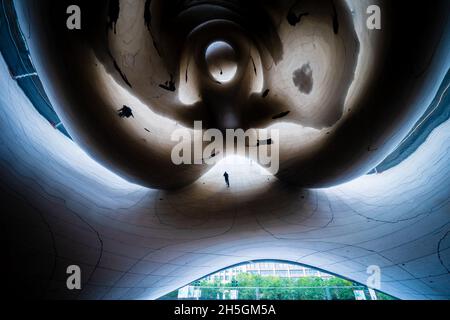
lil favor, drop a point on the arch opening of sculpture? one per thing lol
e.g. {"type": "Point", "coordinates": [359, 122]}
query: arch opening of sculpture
{"type": "Point", "coordinates": [221, 60]}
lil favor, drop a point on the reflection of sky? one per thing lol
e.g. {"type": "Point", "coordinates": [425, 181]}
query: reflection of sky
{"type": "Point", "coordinates": [14, 50]}
{"type": "Point", "coordinates": [436, 114]}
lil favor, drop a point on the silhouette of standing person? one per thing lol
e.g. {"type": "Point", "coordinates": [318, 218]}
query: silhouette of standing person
{"type": "Point", "coordinates": [227, 179]}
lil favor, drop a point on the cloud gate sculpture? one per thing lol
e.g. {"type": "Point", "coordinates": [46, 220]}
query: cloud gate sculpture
{"type": "Point", "coordinates": [343, 111]}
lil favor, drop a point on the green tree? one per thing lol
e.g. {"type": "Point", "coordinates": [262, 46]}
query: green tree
{"type": "Point", "coordinates": [252, 287]}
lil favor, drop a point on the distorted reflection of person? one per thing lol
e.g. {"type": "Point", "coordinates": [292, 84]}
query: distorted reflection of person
{"type": "Point", "coordinates": [125, 112]}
